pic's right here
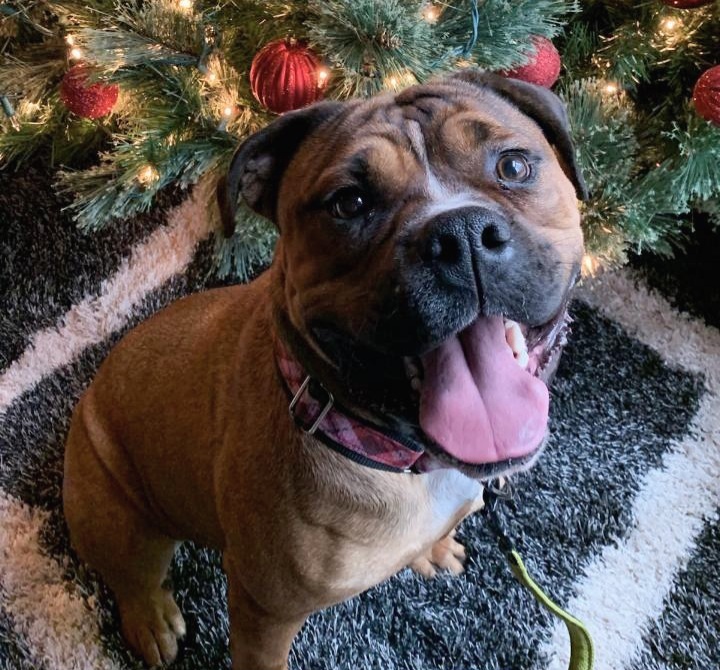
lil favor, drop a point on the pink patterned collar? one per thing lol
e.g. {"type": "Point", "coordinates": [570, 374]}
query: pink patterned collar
{"type": "Point", "coordinates": [355, 438]}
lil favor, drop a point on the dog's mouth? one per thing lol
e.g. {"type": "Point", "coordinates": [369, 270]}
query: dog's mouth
{"type": "Point", "coordinates": [477, 401]}
{"type": "Point", "coordinates": [482, 393]}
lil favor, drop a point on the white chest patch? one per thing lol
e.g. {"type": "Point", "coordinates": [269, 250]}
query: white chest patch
{"type": "Point", "coordinates": [450, 491]}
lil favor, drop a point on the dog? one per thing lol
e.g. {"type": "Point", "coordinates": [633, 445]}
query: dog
{"type": "Point", "coordinates": [331, 422]}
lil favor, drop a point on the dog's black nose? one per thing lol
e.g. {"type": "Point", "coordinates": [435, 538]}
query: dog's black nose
{"type": "Point", "coordinates": [462, 244]}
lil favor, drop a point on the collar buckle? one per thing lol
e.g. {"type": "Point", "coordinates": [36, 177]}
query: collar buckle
{"type": "Point", "coordinates": [323, 412]}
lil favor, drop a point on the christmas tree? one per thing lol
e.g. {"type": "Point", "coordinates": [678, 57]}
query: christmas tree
{"type": "Point", "coordinates": [128, 97]}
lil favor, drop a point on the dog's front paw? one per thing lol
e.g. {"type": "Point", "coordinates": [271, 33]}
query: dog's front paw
{"type": "Point", "coordinates": [445, 554]}
{"type": "Point", "coordinates": [152, 626]}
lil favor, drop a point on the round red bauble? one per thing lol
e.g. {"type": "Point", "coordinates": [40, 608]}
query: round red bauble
{"type": "Point", "coordinates": [286, 75]}
{"type": "Point", "coordinates": [89, 101]}
{"type": "Point", "coordinates": [686, 4]}
{"type": "Point", "coordinates": [543, 68]}
{"type": "Point", "coordinates": [706, 95]}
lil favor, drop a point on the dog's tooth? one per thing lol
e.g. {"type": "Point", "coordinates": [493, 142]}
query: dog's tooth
{"type": "Point", "coordinates": [515, 338]}
{"type": "Point", "coordinates": [516, 341]}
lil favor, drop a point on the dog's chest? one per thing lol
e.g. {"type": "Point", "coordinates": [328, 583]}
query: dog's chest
{"type": "Point", "coordinates": [434, 504]}
{"type": "Point", "coordinates": [450, 493]}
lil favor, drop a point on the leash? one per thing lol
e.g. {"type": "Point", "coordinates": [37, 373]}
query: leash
{"type": "Point", "coordinates": [582, 654]}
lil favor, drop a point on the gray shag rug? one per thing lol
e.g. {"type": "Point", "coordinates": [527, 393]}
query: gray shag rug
{"type": "Point", "coordinates": [619, 521]}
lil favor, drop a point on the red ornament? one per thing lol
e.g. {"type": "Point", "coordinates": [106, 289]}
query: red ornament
{"type": "Point", "coordinates": [286, 75]}
{"type": "Point", "coordinates": [706, 95]}
{"type": "Point", "coordinates": [686, 4]}
{"type": "Point", "coordinates": [89, 101]}
{"type": "Point", "coordinates": [543, 68]}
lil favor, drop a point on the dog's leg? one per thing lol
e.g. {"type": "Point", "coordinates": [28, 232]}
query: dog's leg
{"type": "Point", "coordinates": [151, 621]}
{"type": "Point", "coordinates": [259, 640]}
{"type": "Point", "coordinates": [108, 532]}
{"type": "Point", "coordinates": [447, 553]}
{"type": "Point", "coordinates": [133, 560]}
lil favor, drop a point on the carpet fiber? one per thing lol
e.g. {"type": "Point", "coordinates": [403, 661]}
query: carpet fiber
{"type": "Point", "coordinates": [619, 521]}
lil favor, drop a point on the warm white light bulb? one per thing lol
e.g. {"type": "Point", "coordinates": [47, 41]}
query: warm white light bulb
{"type": "Point", "coordinates": [431, 13]}
{"type": "Point", "coordinates": [228, 112]}
{"type": "Point", "coordinates": [590, 266]}
{"type": "Point", "coordinates": [147, 175]}
{"type": "Point", "coordinates": [185, 4]}
{"type": "Point", "coordinates": [323, 75]}
{"type": "Point", "coordinates": [611, 88]}
{"type": "Point", "coordinates": [70, 40]}
{"type": "Point", "coordinates": [76, 53]}
{"type": "Point", "coordinates": [669, 24]}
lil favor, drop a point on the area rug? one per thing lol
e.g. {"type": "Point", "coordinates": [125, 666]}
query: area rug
{"type": "Point", "coordinates": [619, 521]}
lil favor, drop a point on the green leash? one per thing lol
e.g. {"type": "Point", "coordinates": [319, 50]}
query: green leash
{"type": "Point", "coordinates": [582, 655]}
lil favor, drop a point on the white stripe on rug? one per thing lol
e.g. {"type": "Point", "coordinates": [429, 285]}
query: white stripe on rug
{"type": "Point", "coordinates": [58, 624]}
{"type": "Point", "coordinates": [165, 253]}
{"type": "Point", "coordinates": [623, 588]}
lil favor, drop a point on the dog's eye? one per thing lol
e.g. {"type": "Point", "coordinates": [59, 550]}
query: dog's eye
{"type": "Point", "coordinates": [513, 168]}
{"type": "Point", "coordinates": [348, 203]}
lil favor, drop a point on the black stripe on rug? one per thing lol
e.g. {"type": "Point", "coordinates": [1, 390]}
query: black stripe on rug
{"type": "Point", "coordinates": [48, 264]}
{"type": "Point", "coordinates": [14, 652]}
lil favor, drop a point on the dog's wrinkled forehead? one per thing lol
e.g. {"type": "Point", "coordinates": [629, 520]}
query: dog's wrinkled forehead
{"type": "Point", "coordinates": [445, 120]}
{"type": "Point", "coordinates": [430, 133]}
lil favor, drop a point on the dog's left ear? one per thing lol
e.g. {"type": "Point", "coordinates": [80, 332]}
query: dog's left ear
{"type": "Point", "coordinates": [541, 105]}
{"type": "Point", "coordinates": [257, 167]}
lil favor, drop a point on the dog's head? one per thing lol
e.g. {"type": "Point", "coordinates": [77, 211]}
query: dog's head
{"type": "Point", "coordinates": [428, 244]}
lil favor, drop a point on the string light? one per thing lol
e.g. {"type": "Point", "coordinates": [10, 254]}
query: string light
{"type": "Point", "coordinates": [670, 29]}
{"type": "Point", "coordinates": [148, 175]}
{"type": "Point", "coordinates": [228, 113]}
{"type": "Point", "coordinates": [669, 24]}
{"type": "Point", "coordinates": [211, 77]}
{"type": "Point", "coordinates": [185, 5]}
{"type": "Point", "coordinates": [323, 74]}
{"type": "Point", "coordinates": [75, 53]}
{"type": "Point", "coordinates": [611, 88]}
{"type": "Point", "coordinates": [400, 80]}
{"type": "Point", "coordinates": [431, 13]}
{"type": "Point", "coordinates": [590, 266]}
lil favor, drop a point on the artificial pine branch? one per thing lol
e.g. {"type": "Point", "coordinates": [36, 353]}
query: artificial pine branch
{"type": "Point", "coordinates": [248, 249]}
{"type": "Point", "coordinates": [373, 44]}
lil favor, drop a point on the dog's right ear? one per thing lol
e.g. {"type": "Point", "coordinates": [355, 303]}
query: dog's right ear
{"type": "Point", "coordinates": [257, 167]}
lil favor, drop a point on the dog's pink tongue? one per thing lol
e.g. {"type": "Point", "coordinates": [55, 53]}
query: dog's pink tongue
{"type": "Point", "coordinates": [476, 402]}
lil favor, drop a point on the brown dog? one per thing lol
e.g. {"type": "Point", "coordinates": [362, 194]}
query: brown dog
{"type": "Point", "coordinates": [428, 244]}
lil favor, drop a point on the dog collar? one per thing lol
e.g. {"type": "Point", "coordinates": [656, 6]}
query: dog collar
{"type": "Point", "coordinates": [314, 409]}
